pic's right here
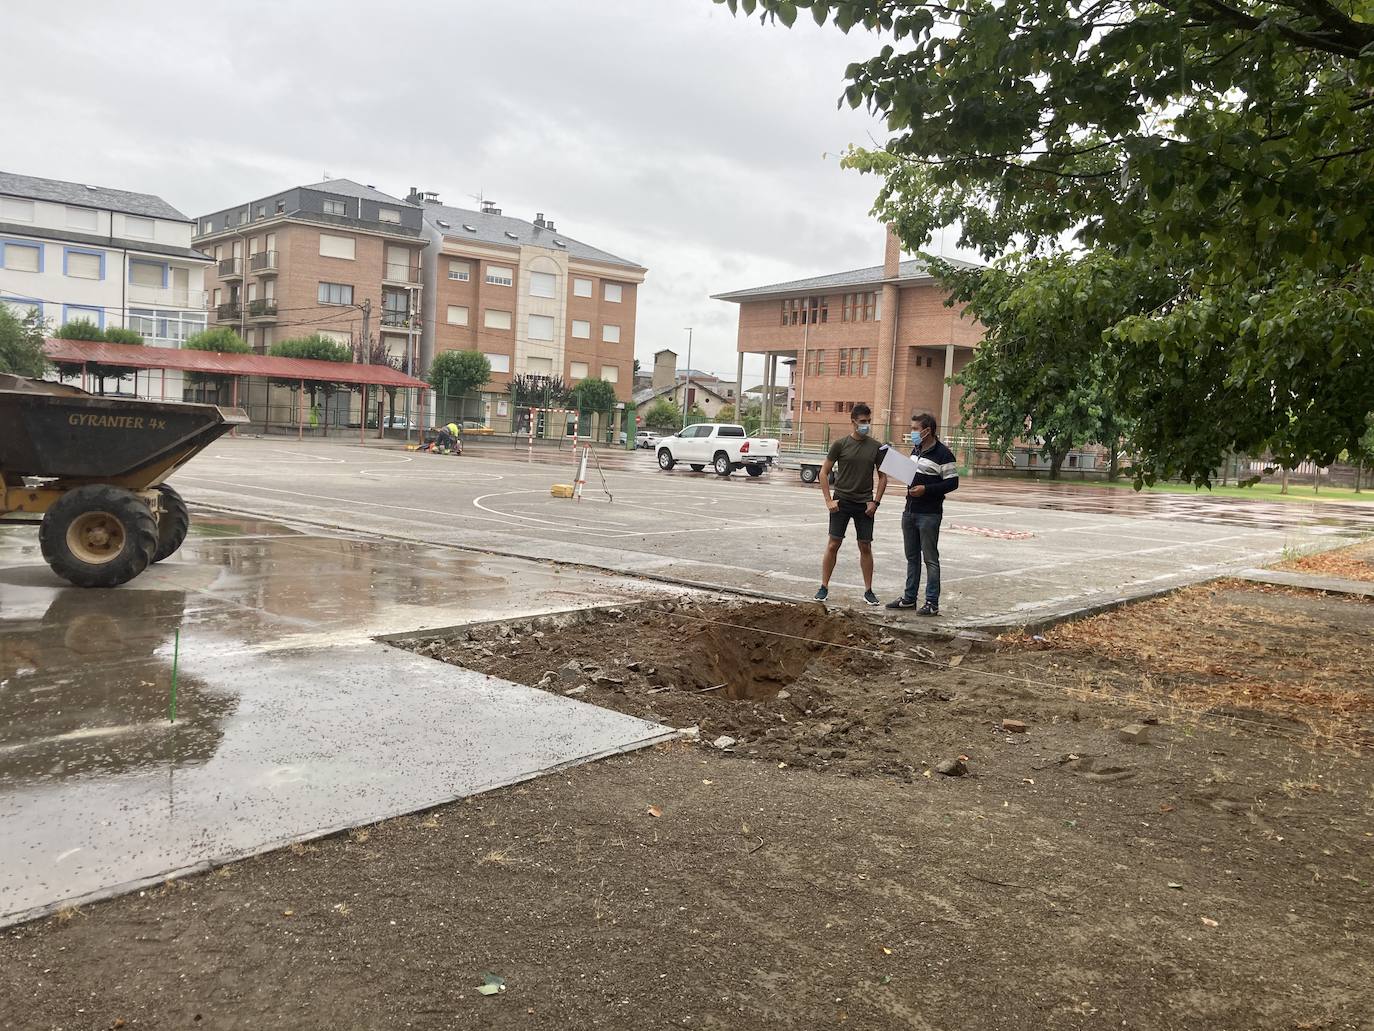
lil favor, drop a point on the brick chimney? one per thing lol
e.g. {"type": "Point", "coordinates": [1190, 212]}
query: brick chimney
{"type": "Point", "coordinates": [887, 337]}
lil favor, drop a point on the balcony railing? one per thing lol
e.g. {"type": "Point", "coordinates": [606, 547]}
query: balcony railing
{"type": "Point", "coordinates": [231, 267]}
{"type": "Point", "coordinates": [228, 312]}
{"type": "Point", "coordinates": [401, 273]}
{"type": "Point", "coordinates": [185, 300]}
{"type": "Point", "coordinates": [263, 261]}
{"type": "Point", "coordinates": [396, 319]}
{"type": "Point", "coordinates": [263, 308]}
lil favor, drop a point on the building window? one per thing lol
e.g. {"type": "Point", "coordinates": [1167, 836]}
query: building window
{"type": "Point", "coordinates": [457, 315]}
{"type": "Point", "coordinates": [21, 257]}
{"type": "Point", "coordinates": [582, 287]}
{"type": "Point", "coordinates": [612, 293]}
{"type": "Point", "coordinates": [839, 406]}
{"type": "Point", "coordinates": [165, 325]}
{"type": "Point", "coordinates": [23, 308]}
{"type": "Point", "coordinates": [336, 293]}
{"type": "Point", "coordinates": [83, 264]}
{"type": "Point", "coordinates": [541, 327]}
{"type": "Point", "coordinates": [335, 207]}
{"type": "Point", "coordinates": [539, 366]}
{"type": "Point", "coordinates": [581, 329]}
{"type": "Point", "coordinates": [209, 225]}
{"type": "Point", "coordinates": [262, 211]}
{"type": "Point", "coordinates": [815, 361]}
{"type": "Point", "coordinates": [610, 334]}
{"type": "Point", "coordinates": [337, 335]}
{"type": "Point", "coordinates": [577, 370]}
{"type": "Point", "coordinates": [498, 275]}
{"type": "Point", "coordinates": [494, 319]}
{"type": "Point", "coordinates": [610, 373]}
{"type": "Point", "coordinates": [83, 219]}
{"type": "Point", "coordinates": [219, 297]}
{"type": "Point", "coordinates": [141, 228]}
{"type": "Point", "coordinates": [148, 273]}
{"type": "Point", "coordinates": [499, 362]}
{"type": "Point", "coordinates": [865, 368]}
{"type": "Point", "coordinates": [805, 310]}
{"type": "Point", "coordinates": [281, 206]}
{"type": "Point", "coordinates": [76, 313]}
{"type": "Point", "coordinates": [336, 246]}
{"type": "Point", "coordinates": [542, 284]}
{"type": "Point", "coordinates": [388, 215]}
{"type": "Point", "coordinates": [12, 209]}
{"type": "Point", "coordinates": [459, 271]}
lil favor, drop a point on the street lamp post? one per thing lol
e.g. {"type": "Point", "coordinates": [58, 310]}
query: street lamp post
{"type": "Point", "coordinates": [687, 387]}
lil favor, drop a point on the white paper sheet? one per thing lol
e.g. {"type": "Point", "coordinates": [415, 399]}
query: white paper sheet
{"type": "Point", "coordinates": [898, 466]}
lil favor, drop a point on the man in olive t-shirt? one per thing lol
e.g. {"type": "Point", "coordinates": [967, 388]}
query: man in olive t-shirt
{"type": "Point", "coordinates": [855, 459]}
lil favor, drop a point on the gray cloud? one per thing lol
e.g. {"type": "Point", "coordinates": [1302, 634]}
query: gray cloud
{"type": "Point", "coordinates": [663, 130]}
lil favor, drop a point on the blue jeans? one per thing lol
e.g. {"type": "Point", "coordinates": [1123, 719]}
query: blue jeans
{"type": "Point", "coordinates": [921, 537]}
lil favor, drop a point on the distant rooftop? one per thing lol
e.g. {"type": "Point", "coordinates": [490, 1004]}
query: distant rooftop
{"type": "Point", "coordinates": [348, 188]}
{"type": "Point", "coordinates": [80, 195]}
{"type": "Point", "coordinates": [913, 270]}
{"type": "Point", "coordinates": [506, 231]}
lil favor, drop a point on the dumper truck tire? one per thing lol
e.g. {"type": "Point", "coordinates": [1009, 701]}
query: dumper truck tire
{"type": "Point", "coordinates": [173, 522]}
{"type": "Point", "coordinates": [98, 536]}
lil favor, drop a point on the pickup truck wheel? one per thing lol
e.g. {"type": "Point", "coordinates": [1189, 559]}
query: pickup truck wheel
{"type": "Point", "coordinates": [172, 523]}
{"type": "Point", "coordinates": [98, 536]}
{"type": "Point", "coordinates": [722, 464]}
{"type": "Point", "coordinates": [698, 466]}
{"type": "Point", "coordinates": [754, 470]}
{"type": "Point", "coordinates": [665, 458]}
{"type": "Point", "coordinates": [810, 475]}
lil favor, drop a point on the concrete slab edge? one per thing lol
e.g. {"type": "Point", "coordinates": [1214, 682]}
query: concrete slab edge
{"type": "Point", "coordinates": [206, 865]}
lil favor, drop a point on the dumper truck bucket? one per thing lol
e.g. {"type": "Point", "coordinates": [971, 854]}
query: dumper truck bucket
{"type": "Point", "coordinates": [53, 431]}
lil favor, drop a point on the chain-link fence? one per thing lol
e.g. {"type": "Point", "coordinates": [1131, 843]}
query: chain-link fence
{"type": "Point", "coordinates": [499, 418]}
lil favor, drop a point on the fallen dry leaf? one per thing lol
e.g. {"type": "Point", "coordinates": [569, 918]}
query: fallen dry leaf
{"type": "Point", "coordinates": [655, 811]}
{"type": "Point", "coordinates": [1209, 921]}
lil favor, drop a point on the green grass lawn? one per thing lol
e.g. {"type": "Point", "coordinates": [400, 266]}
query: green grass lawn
{"type": "Point", "coordinates": [1260, 491]}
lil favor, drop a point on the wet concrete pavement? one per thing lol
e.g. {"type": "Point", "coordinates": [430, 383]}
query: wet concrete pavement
{"type": "Point", "coordinates": [1013, 553]}
{"type": "Point", "coordinates": [290, 721]}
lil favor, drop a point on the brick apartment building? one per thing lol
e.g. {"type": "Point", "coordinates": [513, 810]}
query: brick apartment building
{"type": "Point", "coordinates": [309, 260]}
{"type": "Point", "coordinates": [534, 300]}
{"type": "Point", "coordinates": [879, 335]}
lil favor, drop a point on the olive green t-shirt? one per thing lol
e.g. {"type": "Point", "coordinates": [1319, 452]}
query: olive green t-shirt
{"type": "Point", "coordinates": [854, 462]}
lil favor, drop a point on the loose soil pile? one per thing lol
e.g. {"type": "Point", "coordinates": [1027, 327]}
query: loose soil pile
{"type": "Point", "coordinates": [1211, 868]}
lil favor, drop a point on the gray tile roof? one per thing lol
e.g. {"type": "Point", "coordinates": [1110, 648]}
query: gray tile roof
{"type": "Point", "coordinates": [493, 229]}
{"type": "Point", "coordinates": [348, 188]}
{"type": "Point", "coordinates": [14, 185]}
{"type": "Point", "coordinates": [913, 269]}
{"type": "Point", "coordinates": [107, 242]}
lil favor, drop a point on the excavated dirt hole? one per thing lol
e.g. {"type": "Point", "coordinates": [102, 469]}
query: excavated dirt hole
{"type": "Point", "coordinates": [740, 651]}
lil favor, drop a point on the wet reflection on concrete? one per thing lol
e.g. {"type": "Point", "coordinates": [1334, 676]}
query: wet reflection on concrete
{"type": "Point", "coordinates": [290, 721]}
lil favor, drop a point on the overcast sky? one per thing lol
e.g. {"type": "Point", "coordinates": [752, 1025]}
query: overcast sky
{"type": "Point", "coordinates": [700, 145]}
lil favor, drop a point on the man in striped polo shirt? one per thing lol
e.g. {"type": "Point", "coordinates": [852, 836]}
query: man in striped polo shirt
{"type": "Point", "coordinates": [936, 475]}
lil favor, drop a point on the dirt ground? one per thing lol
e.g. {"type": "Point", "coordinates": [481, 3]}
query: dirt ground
{"type": "Point", "coordinates": [1354, 563]}
{"type": "Point", "coordinates": [817, 871]}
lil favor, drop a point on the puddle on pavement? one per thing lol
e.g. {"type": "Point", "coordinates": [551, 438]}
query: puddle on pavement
{"type": "Point", "coordinates": [738, 651]}
{"type": "Point", "coordinates": [290, 719]}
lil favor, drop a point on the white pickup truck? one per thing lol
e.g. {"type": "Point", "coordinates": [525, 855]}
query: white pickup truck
{"type": "Point", "coordinates": [723, 446]}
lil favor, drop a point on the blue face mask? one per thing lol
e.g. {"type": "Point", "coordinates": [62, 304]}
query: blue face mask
{"type": "Point", "coordinates": [863, 429]}
{"type": "Point", "coordinates": [915, 436]}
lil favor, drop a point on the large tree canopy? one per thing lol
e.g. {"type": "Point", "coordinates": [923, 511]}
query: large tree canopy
{"type": "Point", "coordinates": [1231, 141]}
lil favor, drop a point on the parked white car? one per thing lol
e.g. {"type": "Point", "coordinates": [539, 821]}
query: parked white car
{"type": "Point", "coordinates": [723, 446]}
{"type": "Point", "coordinates": [647, 439]}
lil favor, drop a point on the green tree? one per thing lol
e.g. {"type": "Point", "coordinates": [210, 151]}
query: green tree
{"type": "Point", "coordinates": [221, 340]}
{"type": "Point", "coordinates": [84, 329]}
{"type": "Point", "coordinates": [593, 395]}
{"type": "Point", "coordinates": [79, 329]}
{"type": "Point", "coordinates": [320, 348]}
{"type": "Point", "coordinates": [1229, 140]}
{"type": "Point", "coordinates": [21, 344]}
{"type": "Point", "coordinates": [1043, 370]}
{"type": "Point", "coordinates": [456, 373]}
{"type": "Point", "coordinates": [664, 416]}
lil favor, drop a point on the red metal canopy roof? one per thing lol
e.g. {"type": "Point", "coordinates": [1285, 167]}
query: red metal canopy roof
{"type": "Point", "coordinates": [78, 352]}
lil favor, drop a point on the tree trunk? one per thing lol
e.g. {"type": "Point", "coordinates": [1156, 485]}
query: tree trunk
{"type": "Point", "coordinates": [1114, 468]}
{"type": "Point", "coordinates": [1056, 461]}
{"type": "Point", "coordinates": [1283, 479]}
{"type": "Point", "coordinates": [1359, 468]}
{"type": "Point", "coordinates": [1225, 469]}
